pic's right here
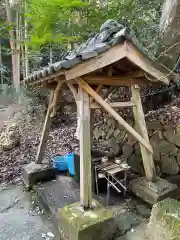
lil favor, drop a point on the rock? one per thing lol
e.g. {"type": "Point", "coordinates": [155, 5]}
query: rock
{"type": "Point", "coordinates": [137, 149]}
{"type": "Point", "coordinates": [114, 145]}
{"type": "Point", "coordinates": [97, 133]}
{"type": "Point", "coordinates": [110, 133]}
{"type": "Point", "coordinates": [9, 138]}
{"type": "Point", "coordinates": [178, 157]}
{"type": "Point", "coordinates": [131, 139]}
{"type": "Point", "coordinates": [169, 165]}
{"type": "Point", "coordinates": [119, 135]}
{"type": "Point", "coordinates": [117, 132]}
{"type": "Point", "coordinates": [135, 164]}
{"type": "Point", "coordinates": [103, 134]}
{"type": "Point", "coordinates": [127, 150]}
{"type": "Point", "coordinates": [107, 128]}
{"type": "Point", "coordinates": [164, 222]}
{"type": "Point", "coordinates": [126, 221]}
{"type": "Point", "coordinates": [143, 210]}
{"type": "Point", "coordinates": [172, 137]}
{"type": "Point", "coordinates": [112, 122]}
{"type": "Point", "coordinates": [154, 125]}
{"type": "Point", "coordinates": [178, 129]}
{"type": "Point", "coordinates": [166, 147]}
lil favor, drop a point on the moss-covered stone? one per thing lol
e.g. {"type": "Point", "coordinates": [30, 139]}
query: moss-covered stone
{"type": "Point", "coordinates": [77, 224]}
{"type": "Point", "coordinates": [164, 222]}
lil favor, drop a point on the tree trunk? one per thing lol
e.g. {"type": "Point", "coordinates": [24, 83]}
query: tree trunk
{"type": "Point", "coordinates": [12, 43]}
{"type": "Point", "coordinates": [26, 46]}
{"type": "Point", "coordinates": [18, 48]}
{"type": "Point", "coordinates": [170, 31]}
{"type": "Point", "coordinates": [1, 65]}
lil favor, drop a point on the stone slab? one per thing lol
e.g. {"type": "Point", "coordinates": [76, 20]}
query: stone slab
{"type": "Point", "coordinates": [58, 193]}
{"type": "Point", "coordinates": [153, 192]}
{"type": "Point", "coordinates": [34, 173]}
{"type": "Point", "coordinates": [77, 224]}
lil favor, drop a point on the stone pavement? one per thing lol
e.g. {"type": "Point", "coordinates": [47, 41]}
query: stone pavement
{"type": "Point", "coordinates": [21, 219]}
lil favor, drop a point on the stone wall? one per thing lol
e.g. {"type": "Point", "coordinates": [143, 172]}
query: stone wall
{"type": "Point", "coordinates": [165, 140]}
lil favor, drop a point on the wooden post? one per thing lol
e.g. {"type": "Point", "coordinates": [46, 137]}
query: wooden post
{"type": "Point", "coordinates": [85, 151]}
{"type": "Point", "coordinates": [141, 128]}
{"type": "Point", "coordinates": [45, 132]}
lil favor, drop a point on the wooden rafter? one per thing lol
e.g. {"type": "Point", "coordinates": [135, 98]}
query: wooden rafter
{"type": "Point", "coordinates": [113, 113]}
{"type": "Point", "coordinates": [138, 58]}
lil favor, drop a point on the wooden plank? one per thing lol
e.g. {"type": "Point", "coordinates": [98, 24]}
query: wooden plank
{"type": "Point", "coordinates": [110, 56]}
{"type": "Point", "coordinates": [141, 128]}
{"type": "Point", "coordinates": [113, 113]}
{"type": "Point", "coordinates": [138, 58]}
{"type": "Point", "coordinates": [55, 99]}
{"type": "Point", "coordinates": [45, 132]}
{"type": "Point", "coordinates": [73, 90]}
{"type": "Point", "coordinates": [113, 105]}
{"type": "Point", "coordinates": [85, 151]}
{"type": "Point", "coordinates": [115, 80]}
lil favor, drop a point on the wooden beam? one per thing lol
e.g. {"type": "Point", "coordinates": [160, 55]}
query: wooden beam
{"type": "Point", "coordinates": [113, 105]}
{"type": "Point", "coordinates": [141, 128]}
{"type": "Point", "coordinates": [133, 74]}
{"type": "Point", "coordinates": [85, 151]}
{"type": "Point", "coordinates": [138, 58]}
{"type": "Point", "coordinates": [112, 55]}
{"type": "Point", "coordinates": [55, 99]}
{"type": "Point", "coordinates": [113, 113]}
{"type": "Point", "coordinates": [45, 132]}
{"type": "Point", "coordinates": [115, 80]}
{"type": "Point", "coordinates": [73, 90]}
{"type": "Point", "coordinates": [98, 89]}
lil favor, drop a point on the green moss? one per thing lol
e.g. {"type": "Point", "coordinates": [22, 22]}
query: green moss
{"type": "Point", "coordinates": [168, 213]}
{"type": "Point", "coordinates": [81, 219]}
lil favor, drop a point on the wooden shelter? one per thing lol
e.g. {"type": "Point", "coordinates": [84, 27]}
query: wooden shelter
{"type": "Point", "coordinates": [110, 58]}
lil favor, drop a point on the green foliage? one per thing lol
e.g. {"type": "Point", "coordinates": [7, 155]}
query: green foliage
{"type": "Point", "coordinates": [69, 21]}
{"type": "Point", "coordinates": [50, 21]}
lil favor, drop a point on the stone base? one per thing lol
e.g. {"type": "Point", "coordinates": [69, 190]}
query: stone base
{"type": "Point", "coordinates": [77, 224]}
{"type": "Point", "coordinates": [164, 223]}
{"type": "Point", "coordinates": [153, 192]}
{"type": "Point", "coordinates": [34, 173]}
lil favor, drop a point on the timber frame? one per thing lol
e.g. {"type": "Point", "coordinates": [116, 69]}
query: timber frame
{"type": "Point", "coordinates": [121, 65]}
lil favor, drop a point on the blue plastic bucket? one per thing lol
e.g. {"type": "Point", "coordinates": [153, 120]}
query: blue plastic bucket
{"type": "Point", "coordinates": [59, 162]}
{"type": "Point", "coordinates": [70, 163]}
{"type": "Point", "coordinates": [64, 163]}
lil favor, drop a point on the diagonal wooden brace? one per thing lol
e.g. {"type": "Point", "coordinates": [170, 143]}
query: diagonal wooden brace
{"type": "Point", "coordinates": [113, 113]}
{"type": "Point", "coordinates": [45, 132]}
{"type": "Point", "coordinates": [55, 99]}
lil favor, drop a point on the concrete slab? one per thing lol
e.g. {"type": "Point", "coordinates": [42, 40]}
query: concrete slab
{"type": "Point", "coordinates": [19, 219]}
{"type": "Point", "coordinates": [153, 192]}
{"type": "Point", "coordinates": [77, 224]}
{"type": "Point", "coordinates": [58, 193]}
{"type": "Point", "coordinates": [34, 173]}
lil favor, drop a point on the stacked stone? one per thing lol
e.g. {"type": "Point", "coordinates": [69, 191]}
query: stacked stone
{"type": "Point", "coordinates": [165, 140]}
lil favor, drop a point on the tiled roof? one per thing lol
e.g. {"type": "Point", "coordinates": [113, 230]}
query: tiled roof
{"type": "Point", "coordinates": [111, 33]}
